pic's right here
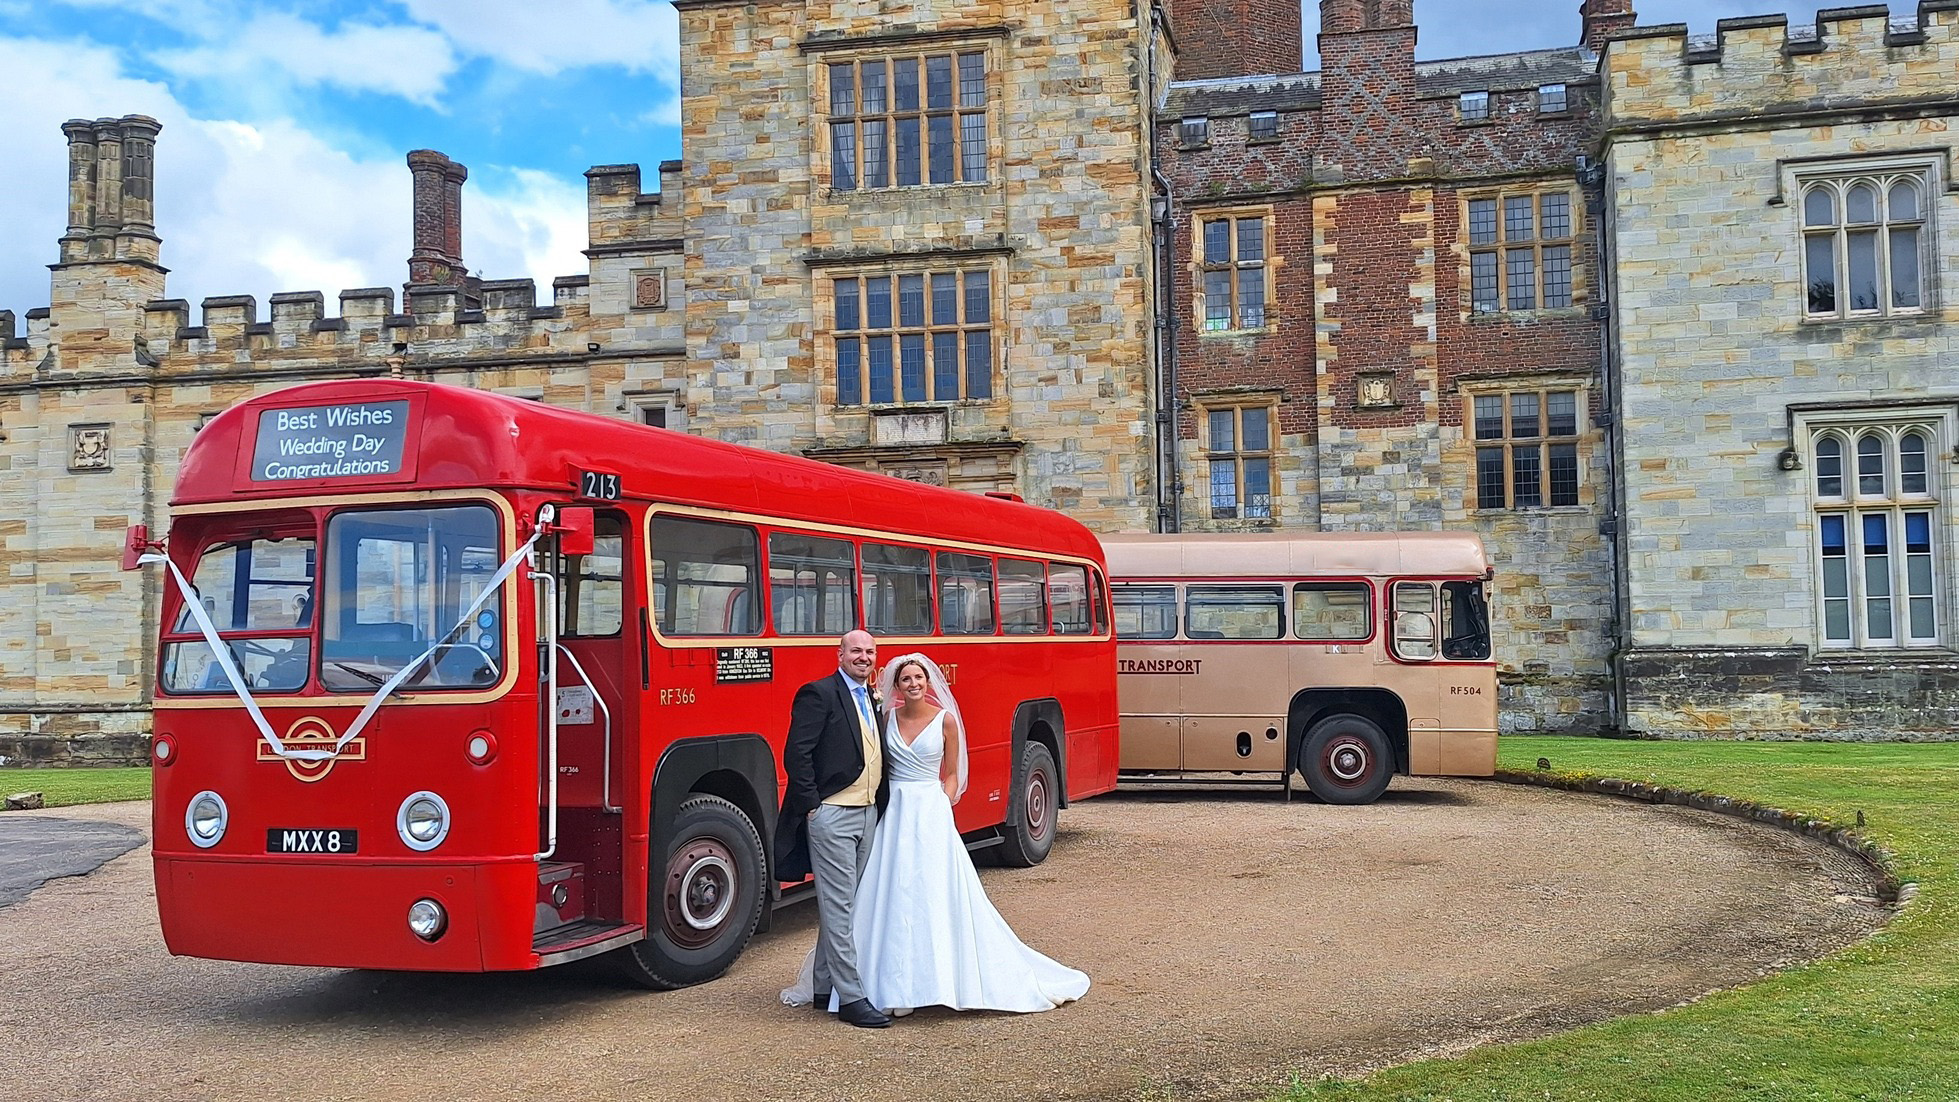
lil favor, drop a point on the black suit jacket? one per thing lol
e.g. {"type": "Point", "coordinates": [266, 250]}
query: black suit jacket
{"type": "Point", "coordinates": [823, 754]}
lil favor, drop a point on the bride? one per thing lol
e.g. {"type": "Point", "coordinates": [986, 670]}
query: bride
{"type": "Point", "coordinates": [925, 932]}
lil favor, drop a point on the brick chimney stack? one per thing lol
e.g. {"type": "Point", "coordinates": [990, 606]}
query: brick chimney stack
{"type": "Point", "coordinates": [1367, 86]}
{"type": "Point", "coordinates": [1237, 38]}
{"type": "Point", "coordinates": [438, 257]}
{"type": "Point", "coordinates": [1348, 16]}
{"type": "Point", "coordinates": [1601, 18]}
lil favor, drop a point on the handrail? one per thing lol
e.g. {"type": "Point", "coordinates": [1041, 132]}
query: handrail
{"type": "Point", "coordinates": [549, 615]}
{"type": "Point", "coordinates": [605, 793]}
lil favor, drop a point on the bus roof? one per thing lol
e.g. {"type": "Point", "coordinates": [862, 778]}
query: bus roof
{"type": "Point", "coordinates": [1287, 554]}
{"type": "Point", "coordinates": [461, 438]}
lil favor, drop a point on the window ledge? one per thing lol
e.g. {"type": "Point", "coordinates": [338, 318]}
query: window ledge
{"type": "Point", "coordinates": [1537, 510]}
{"type": "Point", "coordinates": [1475, 122]}
{"type": "Point", "coordinates": [1554, 313]}
{"type": "Point", "coordinates": [1902, 317]}
{"type": "Point", "coordinates": [1258, 332]}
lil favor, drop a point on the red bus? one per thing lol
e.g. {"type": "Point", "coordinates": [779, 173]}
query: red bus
{"type": "Point", "coordinates": [452, 681]}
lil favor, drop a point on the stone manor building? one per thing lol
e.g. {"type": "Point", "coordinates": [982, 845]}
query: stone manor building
{"type": "Point", "coordinates": [1661, 317]}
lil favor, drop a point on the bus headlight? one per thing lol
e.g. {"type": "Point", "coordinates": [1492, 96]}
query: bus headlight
{"type": "Point", "coordinates": [423, 821]}
{"type": "Point", "coordinates": [205, 819]}
{"type": "Point", "coordinates": [426, 919]}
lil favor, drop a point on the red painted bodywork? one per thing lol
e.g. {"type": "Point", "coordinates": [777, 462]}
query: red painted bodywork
{"type": "Point", "coordinates": [235, 901]}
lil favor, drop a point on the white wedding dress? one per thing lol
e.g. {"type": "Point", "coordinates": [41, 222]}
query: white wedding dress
{"type": "Point", "coordinates": [926, 934]}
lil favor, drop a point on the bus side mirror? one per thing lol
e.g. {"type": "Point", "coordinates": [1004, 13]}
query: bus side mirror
{"type": "Point", "coordinates": [576, 528]}
{"type": "Point", "coordinates": [136, 543]}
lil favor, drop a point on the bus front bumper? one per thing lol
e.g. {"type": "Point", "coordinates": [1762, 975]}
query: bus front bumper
{"type": "Point", "coordinates": [346, 913]}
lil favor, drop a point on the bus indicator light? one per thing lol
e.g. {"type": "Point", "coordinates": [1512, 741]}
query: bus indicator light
{"type": "Point", "coordinates": [164, 749]}
{"type": "Point", "coordinates": [481, 748]}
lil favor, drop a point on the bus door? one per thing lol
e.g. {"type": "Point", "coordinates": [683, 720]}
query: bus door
{"type": "Point", "coordinates": [1414, 628]}
{"type": "Point", "coordinates": [598, 693]}
{"type": "Point", "coordinates": [1234, 704]}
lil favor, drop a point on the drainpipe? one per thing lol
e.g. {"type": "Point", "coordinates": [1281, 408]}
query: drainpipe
{"type": "Point", "coordinates": [1169, 511]}
{"type": "Point", "coordinates": [1612, 523]}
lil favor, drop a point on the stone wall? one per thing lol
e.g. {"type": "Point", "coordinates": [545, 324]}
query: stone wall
{"type": "Point", "coordinates": [1722, 366]}
{"type": "Point", "coordinates": [1364, 181]}
{"type": "Point", "coordinates": [1060, 220]}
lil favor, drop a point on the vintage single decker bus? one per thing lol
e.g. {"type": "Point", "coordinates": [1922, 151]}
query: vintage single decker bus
{"type": "Point", "coordinates": [1345, 657]}
{"type": "Point", "coordinates": [453, 681]}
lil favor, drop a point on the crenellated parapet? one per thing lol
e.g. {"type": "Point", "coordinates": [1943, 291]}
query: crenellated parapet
{"type": "Point", "coordinates": [1765, 67]}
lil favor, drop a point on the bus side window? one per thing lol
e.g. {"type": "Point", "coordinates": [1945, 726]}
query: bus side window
{"type": "Point", "coordinates": [1145, 611]}
{"type": "Point", "coordinates": [592, 602]}
{"type": "Point", "coordinates": [965, 594]}
{"type": "Point", "coordinates": [1068, 599]}
{"type": "Point", "coordinates": [705, 575]}
{"type": "Point", "coordinates": [1331, 612]}
{"type": "Point", "coordinates": [1023, 597]}
{"type": "Point", "coordinates": [1465, 622]}
{"type": "Point", "coordinates": [812, 584]}
{"type": "Point", "coordinates": [1414, 621]}
{"type": "Point", "coordinates": [897, 590]}
{"type": "Point", "coordinates": [1099, 604]}
{"type": "Point", "coordinates": [1234, 612]}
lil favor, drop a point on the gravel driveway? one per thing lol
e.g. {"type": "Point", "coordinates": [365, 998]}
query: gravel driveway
{"type": "Point", "coordinates": [1233, 938]}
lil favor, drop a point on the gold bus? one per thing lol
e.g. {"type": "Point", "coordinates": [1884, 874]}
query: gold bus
{"type": "Point", "coordinates": [1347, 657]}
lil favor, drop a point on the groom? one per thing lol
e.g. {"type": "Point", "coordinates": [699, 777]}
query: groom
{"type": "Point", "coordinates": [834, 759]}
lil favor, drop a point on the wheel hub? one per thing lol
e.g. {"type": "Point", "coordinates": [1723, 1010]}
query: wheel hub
{"type": "Point", "coordinates": [1347, 762]}
{"type": "Point", "coordinates": [700, 892]}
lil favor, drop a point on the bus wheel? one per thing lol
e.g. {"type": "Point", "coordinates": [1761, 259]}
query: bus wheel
{"type": "Point", "coordinates": [1031, 808]}
{"type": "Point", "coordinates": [703, 903]}
{"type": "Point", "coordinates": [1345, 760]}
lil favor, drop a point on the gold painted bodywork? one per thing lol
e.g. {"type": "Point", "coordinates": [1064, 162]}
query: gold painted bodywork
{"type": "Point", "coordinates": [1207, 706]}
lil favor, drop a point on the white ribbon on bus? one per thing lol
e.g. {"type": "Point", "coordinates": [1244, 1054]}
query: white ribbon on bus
{"type": "Point", "coordinates": [223, 654]}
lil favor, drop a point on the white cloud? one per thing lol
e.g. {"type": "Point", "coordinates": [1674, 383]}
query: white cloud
{"type": "Point", "coordinates": [524, 222]}
{"type": "Point", "coordinates": [275, 51]}
{"type": "Point", "coordinates": [254, 208]}
{"type": "Point", "coordinates": [639, 35]}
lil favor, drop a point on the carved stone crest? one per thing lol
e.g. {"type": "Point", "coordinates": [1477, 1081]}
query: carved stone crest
{"type": "Point", "coordinates": [88, 447]}
{"type": "Point", "coordinates": [649, 288]}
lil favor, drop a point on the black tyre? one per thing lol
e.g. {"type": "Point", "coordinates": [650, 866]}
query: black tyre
{"type": "Point", "coordinates": [1345, 760]}
{"type": "Point", "coordinates": [703, 900]}
{"type": "Point", "coordinates": [1031, 809]}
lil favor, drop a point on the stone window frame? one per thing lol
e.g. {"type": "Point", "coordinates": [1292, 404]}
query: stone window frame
{"type": "Point", "coordinates": [1837, 478]}
{"type": "Point", "coordinates": [1194, 132]}
{"type": "Point", "coordinates": [1493, 262]}
{"type": "Point", "coordinates": [1554, 98]}
{"type": "Point", "coordinates": [974, 156]}
{"type": "Point", "coordinates": [1499, 440]}
{"type": "Point", "coordinates": [1476, 107]}
{"type": "Point", "coordinates": [1262, 126]}
{"type": "Point", "coordinates": [840, 364]}
{"type": "Point", "coordinates": [658, 408]}
{"type": "Point", "coordinates": [1237, 316]}
{"type": "Point", "coordinates": [1834, 181]}
{"type": "Point", "coordinates": [1236, 457]}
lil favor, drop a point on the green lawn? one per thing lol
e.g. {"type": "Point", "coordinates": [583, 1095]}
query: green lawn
{"type": "Point", "coordinates": [1878, 1021]}
{"type": "Point", "coordinates": [63, 787]}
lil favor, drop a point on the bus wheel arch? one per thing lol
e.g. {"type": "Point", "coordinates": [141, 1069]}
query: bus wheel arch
{"type": "Point", "coordinates": [1037, 792]}
{"type": "Point", "coordinates": [1347, 744]}
{"type": "Point", "coordinates": [708, 879]}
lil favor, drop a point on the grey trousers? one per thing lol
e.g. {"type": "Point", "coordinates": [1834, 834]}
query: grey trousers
{"type": "Point", "coordinates": [839, 848]}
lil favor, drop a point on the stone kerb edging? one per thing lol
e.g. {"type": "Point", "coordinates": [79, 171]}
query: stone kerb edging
{"type": "Point", "coordinates": [1888, 887]}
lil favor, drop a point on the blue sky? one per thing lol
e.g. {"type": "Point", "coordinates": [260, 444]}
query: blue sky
{"type": "Point", "coordinates": [286, 122]}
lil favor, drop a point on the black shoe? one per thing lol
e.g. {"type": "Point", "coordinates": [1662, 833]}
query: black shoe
{"type": "Point", "coordinates": [860, 1012]}
{"type": "Point", "coordinates": [822, 1003]}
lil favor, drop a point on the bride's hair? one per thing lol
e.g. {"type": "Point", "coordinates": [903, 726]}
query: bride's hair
{"type": "Point", "coordinates": [936, 691]}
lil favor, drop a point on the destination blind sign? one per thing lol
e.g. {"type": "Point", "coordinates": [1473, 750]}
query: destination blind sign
{"type": "Point", "coordinates": [360, 439]}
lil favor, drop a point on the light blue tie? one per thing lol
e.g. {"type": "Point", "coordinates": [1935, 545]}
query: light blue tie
{"type": "Point", "coordinates": [864, 705]}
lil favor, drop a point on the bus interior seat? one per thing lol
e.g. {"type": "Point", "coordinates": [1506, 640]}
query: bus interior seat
{"type": "Point", "coordinates": [1201, 633]}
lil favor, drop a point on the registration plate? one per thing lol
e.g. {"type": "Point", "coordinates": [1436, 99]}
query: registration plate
{"type": "Point", "coordinates": [307, 840]}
